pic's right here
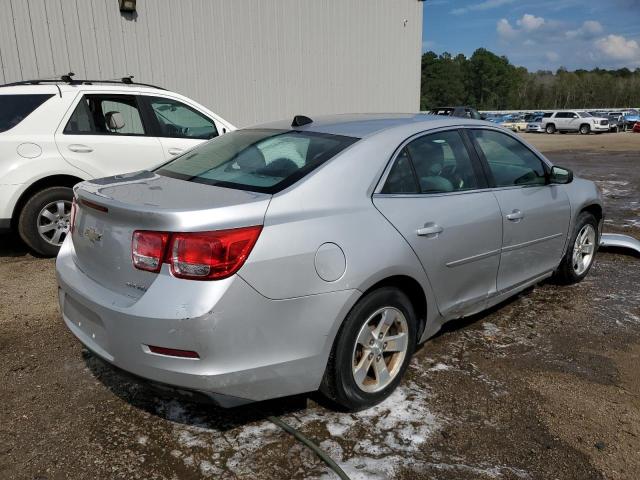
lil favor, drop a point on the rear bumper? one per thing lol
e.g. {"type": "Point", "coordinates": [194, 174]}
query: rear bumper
{"type": "Point", "coordinates": [251, 348]}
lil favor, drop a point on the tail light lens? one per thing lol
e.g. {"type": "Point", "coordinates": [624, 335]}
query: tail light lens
{"type": "Point", "coordinates": [147, 250]}
{"type": "Point", "coordinates": [72, 219]}
{"type": "Point", "coordinates": [196, 256]}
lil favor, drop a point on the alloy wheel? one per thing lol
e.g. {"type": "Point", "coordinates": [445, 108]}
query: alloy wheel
{"type": "Point", "coordinates": [584, 249]}
{"type": "Point", "coordinates": [54, 221]}
{"type": "Point", "coordinates": [380, 349]}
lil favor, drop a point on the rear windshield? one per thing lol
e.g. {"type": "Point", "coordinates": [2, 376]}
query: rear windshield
{"type": "Point", "coordinates": [260, 160]}
{"type": "Point", "coordinates": [15, 108]}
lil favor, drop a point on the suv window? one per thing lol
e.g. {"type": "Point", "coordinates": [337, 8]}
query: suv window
{"type": "Point", "coordinates": [15, 108]}
{"type": "Point", "coordinates": [260, 160]}
{"type": "Point", "coordinates": [106, 115]}
{"type": "Point", "coordinates": [510, 162]}
{"type": "Point", "coordinates": [547, 115]}
{"type": "Point", "coordinates": [177, 120]}
{"type": "Point", "coordinates": [434, 163]}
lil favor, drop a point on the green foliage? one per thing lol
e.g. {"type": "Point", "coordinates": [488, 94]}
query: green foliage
{"type": "Point", "coordinates": [490, 82]}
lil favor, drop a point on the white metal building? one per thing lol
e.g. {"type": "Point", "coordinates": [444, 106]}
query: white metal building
{"type": "Point", "coordinates": [248, 60]}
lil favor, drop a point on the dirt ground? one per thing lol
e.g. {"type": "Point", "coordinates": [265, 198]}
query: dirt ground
{"type": "Point", "coordinates": [545, 386]}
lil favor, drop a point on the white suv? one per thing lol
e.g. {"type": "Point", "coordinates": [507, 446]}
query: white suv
{"type": "Point", "coordinates": [56, 134]}
{"type": "Point", "coordinates": [574, 121]}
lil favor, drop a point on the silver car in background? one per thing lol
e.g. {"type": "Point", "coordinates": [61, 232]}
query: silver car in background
{"type": "Point", "coordinates": [288, 258]}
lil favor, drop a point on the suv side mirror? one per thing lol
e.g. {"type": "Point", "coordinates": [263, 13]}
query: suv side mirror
{"type": "Point", "coordinates": [560, 175]}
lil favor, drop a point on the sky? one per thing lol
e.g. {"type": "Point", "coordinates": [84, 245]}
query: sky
{"type": "Point", "coordinates": [538, 34]}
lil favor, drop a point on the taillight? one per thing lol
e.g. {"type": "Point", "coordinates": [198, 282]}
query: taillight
{"type": "Point", "coordinates": [195, 256]}
{"type": "Point", "coordinates": [147, 250]}
{"type": "Point", "coordinates": [72, 219]}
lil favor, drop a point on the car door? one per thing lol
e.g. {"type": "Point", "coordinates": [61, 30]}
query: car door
{"type": "Point", "coordinates": [179, 126]}
{"type": "Point", "coordinates": [107, 134]}
{"type": "Point", "coordinates": [572, 121]}
{"type": "Point", "coordinates": [535, 214]}
{"type": "Point", "coordinates": [435, 195]}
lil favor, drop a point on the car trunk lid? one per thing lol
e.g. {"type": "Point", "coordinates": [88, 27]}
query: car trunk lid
{"type": "Point", "coordinates": [111, 209]}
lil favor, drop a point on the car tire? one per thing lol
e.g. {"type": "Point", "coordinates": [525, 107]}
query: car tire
{"type": "Point", "coordinates": [44, 232]}
{"type": "Point", "coordinates": [583, 246]}
{"type": "Point", "coordinates": [585, 129]}
{"type": "Point", "coordinates": [550, 129]}
{"type": "Point", "coordinates": [351, 388]}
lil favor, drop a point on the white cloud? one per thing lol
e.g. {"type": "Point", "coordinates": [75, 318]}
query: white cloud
{"type": "Point", "coordinates": [552, 56]}
{"type": "Point", "coordinates": [485, 5]}
{"type": "Point", "coordinates": [617, 47]}
{"type": "Point", "coordinates": [529, 22]}
{"type": "Point", "coordinates": [589, 29]}
{"type": "Point", "coordinates": [505, 30]}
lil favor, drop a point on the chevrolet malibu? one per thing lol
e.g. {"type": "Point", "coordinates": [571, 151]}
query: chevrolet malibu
{"type": "Point", "coordinates": [316, 255]}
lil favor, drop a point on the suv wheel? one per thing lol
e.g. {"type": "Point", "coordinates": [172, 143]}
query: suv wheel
{"type": "Point", "coordinates": [372, 350]}
{"type": "Point", "coordinates": [550, 129]}
{"type": "Point", "coordinates": [581, 252]}
{"type": "Point", "coordinates": [585, 129]}
{"type": "Point", "coordinates": [45, 220]}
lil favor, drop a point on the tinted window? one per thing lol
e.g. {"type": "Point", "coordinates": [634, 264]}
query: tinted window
{"type": "Point", "coordinates": [401, 178]}
{"type": "Point", "coordinates": [106, 115]}
{"type": "Point", "coordinates": [547, 115]}
{"type": "Point", "coordinates": [15, 108]}
{"type": "Point", "coordinates": [178, 120]}
{"type": "Point", "coordinates": [442, 163]}
{"type": "Point", "coordinates": [259, 160]}
{"type": "Point", "coordinates": [510, 162]}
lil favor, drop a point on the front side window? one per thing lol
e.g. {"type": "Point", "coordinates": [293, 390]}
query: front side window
{"type": "Point", "coordinates": [15, 108]}
{"type": "Point", "coordinates": [106, 115]}
{"type": "Point", "coordinates": [510, 162]}
{"type": "Point", "coordinates": [260, 160]}
{"type": "Point", "coordinates": [177, 120]}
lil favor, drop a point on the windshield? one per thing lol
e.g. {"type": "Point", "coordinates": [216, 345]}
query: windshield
{"type": "Point", "coordinates": [15, 108]}
{"type": "Point", "coordinates": [585, 114]}
{"type": "Point", "coordinates": [258, 160]}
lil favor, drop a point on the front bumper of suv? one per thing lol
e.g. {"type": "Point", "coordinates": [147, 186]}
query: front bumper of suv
{"type": "Point", "coordinates": [250, 347]}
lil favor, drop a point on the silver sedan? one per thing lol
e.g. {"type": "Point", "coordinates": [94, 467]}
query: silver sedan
{"type": "Point", "coordinates": [316, 255]}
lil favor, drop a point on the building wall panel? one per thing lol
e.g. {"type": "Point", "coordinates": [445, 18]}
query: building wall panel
{"type": "Point", "coordinates": [249, 60]}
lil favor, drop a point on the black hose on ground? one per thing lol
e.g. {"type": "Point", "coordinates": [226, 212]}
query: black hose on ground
{"type": "Point", "coordinates": [311, 445]}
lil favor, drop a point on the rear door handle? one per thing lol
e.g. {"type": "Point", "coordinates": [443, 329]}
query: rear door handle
{"type": "Point", "coordinates": [515, 216]}
{"type": "Point", "coordinates": [175, 151]}
{"type": "Point", "coordinates": [80, 148]}
{"type": "Point", "coordinates": [429, 230]}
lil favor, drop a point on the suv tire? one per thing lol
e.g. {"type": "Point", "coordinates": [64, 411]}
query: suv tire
{"type": "Point", "coordinates": [44, 232]}
{"type": "Point", "coordinates": [585, 129]}
{"type": "Point", "coordinates": [550, 129]}
{"type": "Point", "coordinates": [581, 250]}
{"type": "Point", "coordinates": [357, 343]}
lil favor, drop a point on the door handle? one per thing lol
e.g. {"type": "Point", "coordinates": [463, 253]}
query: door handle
{"type": "Point", "coordinates": [175, 151]}
{"type": "Point", "coordinates": [430, 230]}
{"type": "Point", "coordinates": [515, 216]}
{"type": "Point", "coordinates": [80, 148]}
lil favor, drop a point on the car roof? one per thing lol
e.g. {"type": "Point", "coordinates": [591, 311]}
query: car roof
{"type": "Point", "coordinates": [366, 124]}
{"type": "Point", "coordinates": [65, 87]}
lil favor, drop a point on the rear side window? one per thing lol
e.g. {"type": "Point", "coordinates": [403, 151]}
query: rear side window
{"type": "Point", "coordinates": [259, 160]}
{"type": "Point", "coordinates": [106, 115]}
{"type": "Point", "coordinates": [15, 108]}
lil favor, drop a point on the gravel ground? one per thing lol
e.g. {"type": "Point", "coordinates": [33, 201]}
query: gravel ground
{"type": "Point", "coordinates": [542, 387]}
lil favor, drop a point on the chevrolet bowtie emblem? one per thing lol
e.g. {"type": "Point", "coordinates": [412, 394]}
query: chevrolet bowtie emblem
{"type": "Point", "coordinates": [93, 235]}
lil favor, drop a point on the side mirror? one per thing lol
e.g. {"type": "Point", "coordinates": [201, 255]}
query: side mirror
{"type": "Point", "coordinates": [560, 175]}
{"type": "Point", "coordinates": [575, 116]}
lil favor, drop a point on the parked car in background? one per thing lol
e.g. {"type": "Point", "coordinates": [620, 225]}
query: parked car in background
{"type": "Point", "coordinates": [517, 123]}
{"type": "Point", "coordinates": [462, 112]}
{"type": "Point", "coordinates": [206, 274]}
{"type": "Point", "coordinates": [636, 127]}
{"type": "Point", "coordinates": [575, 121]}
{"type": "Point", "coordinates": [630, 118]}
{"type": "Point", "coordinates": [535, 125]}
{"type": "Point", "coordinates": [56, 134]}
{"type": "Point", "coordinates": [616, 121]}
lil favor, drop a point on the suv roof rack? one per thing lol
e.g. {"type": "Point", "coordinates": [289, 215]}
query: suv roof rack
{"type": "Point", "coordinates": [68, 79]}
